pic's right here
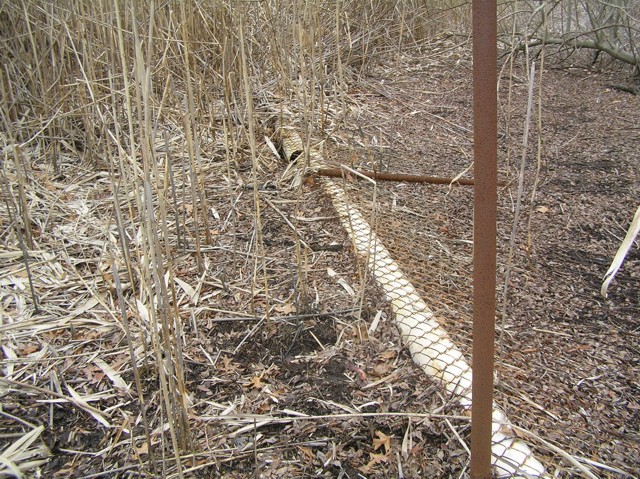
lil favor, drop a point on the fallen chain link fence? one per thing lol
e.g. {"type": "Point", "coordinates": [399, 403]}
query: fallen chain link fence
{"type": "Point", "coordinates": [429, 344]}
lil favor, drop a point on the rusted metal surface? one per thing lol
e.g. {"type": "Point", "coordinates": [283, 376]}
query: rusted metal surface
{"type": "Point", "coordinates": [484, 232]}
{"type": "Point", "coordinates": [382, 176]}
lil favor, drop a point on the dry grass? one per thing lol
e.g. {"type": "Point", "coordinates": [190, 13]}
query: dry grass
{"type": "Point", "coordinates": [116, 118]}
{"type": "Point", "coordinates": [144, 252]}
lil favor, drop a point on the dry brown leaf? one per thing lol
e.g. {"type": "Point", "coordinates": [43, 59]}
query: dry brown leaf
{"type": "Point", "coordinates": [256, 382]}
{"type": "Point", "coordinates": [138, 452]}
{"type": "Point", "coordinates": [382, 440]}
{"type": "Point", "coordinates": [416, 450]}
{"type": "Point", "coordinates": [28, 349]}
{"type": "Point", "coordinates": [387, 354]}
{"type": "Point", "coordinates": [285, 308]}
{"type": "Point", "coordinates": [264, 407]}
{"type": "Point", "coordinates": [359, 332]}
{"type": "Point", "coordinates": [228, 365]}
{"type": "Point", "coordinates": [93, 374]}
{"type": "Point", "coordinates": [374, 459]}
{"type": "Point", "coordinates": [307, 452]}
{"type": "Point", "coordinates": [382, 369]}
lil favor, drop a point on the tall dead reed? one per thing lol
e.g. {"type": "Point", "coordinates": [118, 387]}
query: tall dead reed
{"type": "Point", "coordinates": [142, 94]}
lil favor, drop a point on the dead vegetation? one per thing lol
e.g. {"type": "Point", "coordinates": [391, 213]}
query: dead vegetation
{"type": "Point", "coordinates": [172, 305]}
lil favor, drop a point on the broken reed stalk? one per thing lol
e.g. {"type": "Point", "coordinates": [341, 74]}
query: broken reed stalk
{"type": "Point", "coordinates": [507, 108]}
{"type": "Point", "coordinates": [536, 179]}
{"type": "Point", "coordinates": [158, 307]}
{"type": "Point", "coordinates": [23, 207]}
{"type": "Point", "coordinates": [10, 204]}
{"type": "Point", "coordinates": [20, 217]}
{"type": "Point", "coordinates": [174, 332]}
{"type": "Point", "coordinates": [129, 169]}
{"type": "Point", "coordinates": [134, 362]}
{"type": "Point", "coordinates": [364, 274]}
{"type": "Point", "coordinates": [189, 118]}
{"type": "Point", "coordinates": [170, 178]}
{"type": "Point", "coordinates": [340, 84]}
{"type": "Point", "coordinates": [516, 216]}
{"type": "Point", "coordinates": [301, 299]}
{"type": "Point", "coordinates": [259, 243]}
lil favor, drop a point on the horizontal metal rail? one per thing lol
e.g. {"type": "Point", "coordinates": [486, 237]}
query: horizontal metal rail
{"type": "Point", "coordinates": [401, 177]}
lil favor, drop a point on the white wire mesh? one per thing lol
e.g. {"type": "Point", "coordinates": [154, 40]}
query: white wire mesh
{"type": "Point", "coordinates": [429, 344]}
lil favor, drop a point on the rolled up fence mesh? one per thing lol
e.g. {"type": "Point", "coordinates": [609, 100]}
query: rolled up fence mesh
{"type": "Point", "coordinates": [429, 344]}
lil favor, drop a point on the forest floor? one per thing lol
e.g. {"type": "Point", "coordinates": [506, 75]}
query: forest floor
{"type": "Point", "coordinates": [314, 390]}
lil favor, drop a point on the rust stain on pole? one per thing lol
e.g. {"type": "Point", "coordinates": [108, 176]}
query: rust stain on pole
{"type": "Point", "coordinates": [484, 232]}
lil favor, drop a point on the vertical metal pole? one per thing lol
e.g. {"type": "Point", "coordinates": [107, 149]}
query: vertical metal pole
{"type": "Point", "coordinates": [484, 231]}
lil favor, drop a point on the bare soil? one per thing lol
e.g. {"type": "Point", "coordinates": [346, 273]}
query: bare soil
{"type": "Point", "coordinates": [568, 363]}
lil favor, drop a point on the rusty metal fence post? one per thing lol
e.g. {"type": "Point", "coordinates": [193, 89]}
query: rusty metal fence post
{"type": "Point", "coordinates": [484, 232]}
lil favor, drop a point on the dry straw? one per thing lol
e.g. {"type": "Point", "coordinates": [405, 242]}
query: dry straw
{"type": "Point", "coordinates": [134, 193]}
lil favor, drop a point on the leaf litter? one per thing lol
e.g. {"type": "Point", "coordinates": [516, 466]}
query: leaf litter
{"type": "Point", "coordinates": [292, 382]}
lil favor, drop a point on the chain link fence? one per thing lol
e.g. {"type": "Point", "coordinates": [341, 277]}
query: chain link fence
{"type": "Point", "coordinates": [429, 344]}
